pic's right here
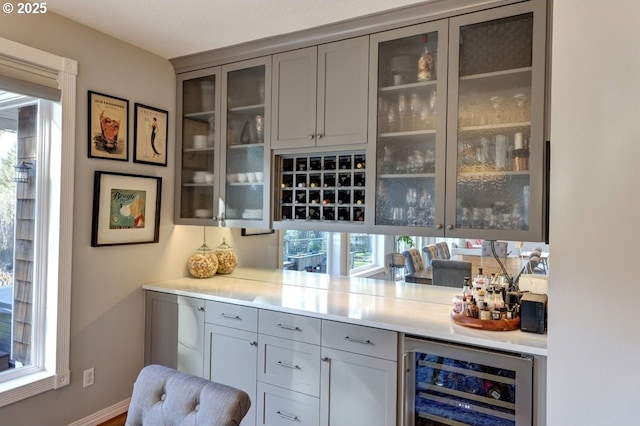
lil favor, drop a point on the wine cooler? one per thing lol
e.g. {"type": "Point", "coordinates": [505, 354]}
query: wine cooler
{"type": "Point", "coordinates": [448, 384]}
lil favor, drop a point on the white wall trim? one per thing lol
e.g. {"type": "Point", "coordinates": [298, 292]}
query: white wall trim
{"type": "Point", "coordinates": [104, 414]}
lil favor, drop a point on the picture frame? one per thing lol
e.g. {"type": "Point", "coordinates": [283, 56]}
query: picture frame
{"type": "Point", "coordinates": [248, 232]}
{"type": "Point", "coordinates": [126, 209]}
{"type": "Point", "coordinates": [151, 127]}
{"type": "Point", "coordinates": [108, 124]}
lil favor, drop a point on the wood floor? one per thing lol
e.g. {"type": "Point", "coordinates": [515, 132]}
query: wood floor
{"type": "Point", "coordinates": [116, 421]}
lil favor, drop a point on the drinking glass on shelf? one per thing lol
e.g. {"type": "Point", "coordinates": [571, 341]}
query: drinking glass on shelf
{"type": "Point", "coordinates": [414, 108]}
{"type": "Point", "coordinates": [433, 102]}
{"type": "Point", "coordinates": [496, 104]}
{"type": "Point", "coordinates": [402, 111]}
{"type": "Point", "coordinates": [521, 101]}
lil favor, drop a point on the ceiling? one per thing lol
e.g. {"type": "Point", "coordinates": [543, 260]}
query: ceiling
{"type": "Point", "coordinates": [172, 29]}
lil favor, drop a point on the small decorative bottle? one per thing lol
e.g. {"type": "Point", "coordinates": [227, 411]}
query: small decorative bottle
{"type": "Point", "coordinates": [227, 259]}
{"type": "Point", "coordinates": [203, 263]}
{"type": "Point", "coordinates": [425, 62]}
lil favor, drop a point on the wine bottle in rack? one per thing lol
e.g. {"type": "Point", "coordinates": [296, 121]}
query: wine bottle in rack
{"type": "Point", "coordinates": [328, 213]}
{"type": "Point", "coordinates": [345, 162]}
{"type": "Point", "coordinates": [330, 163]}
{"type": "Point", "coordinates": [344, 179]}
{"type": "Point", "coordinates": [314, 181]}
{"type": "Point", "coordinates": [315, 163]}
{"type": "Point", "coordinates": [329, 180]}
{"type": "Point", "coordinates": [301, 197]}
{"type": "Point", "coordinates": [287, 197]}
{"type": "Point", "coordinates": [344, 197]}
{"type": "Point", "coordinates": [329, 197]}
{"type": "Point", "coordinates": [358, 179]}
{"type": "Point", "coordinates": [301, 164]}
{"type": "Point", "coordinates": [314, 197]}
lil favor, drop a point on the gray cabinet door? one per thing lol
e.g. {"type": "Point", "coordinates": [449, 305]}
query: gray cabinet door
{"type": "Point", "coordinates": [320, 95]}
{"type": "Point", "coordinates": [343, 68]}
{"type": "Point", "coordinates": [174, 332]}
{"type": "Point", "coordinates": [294, 98]}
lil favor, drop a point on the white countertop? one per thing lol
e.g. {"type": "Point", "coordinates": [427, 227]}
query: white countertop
{"type": "Point", "coordinates": [416, 309]}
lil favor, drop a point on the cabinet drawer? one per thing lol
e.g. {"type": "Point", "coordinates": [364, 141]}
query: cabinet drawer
{"type": "Point", "coordinates": [289, 364]}
{"type": "Point", "coordinates": [281, 407]}
{"type": "Point", "coordinates": [290, 326]}
{"type": "Point", "coordinates": [360, 339]}
{"type": "Point", "coordinates": [229, 315]}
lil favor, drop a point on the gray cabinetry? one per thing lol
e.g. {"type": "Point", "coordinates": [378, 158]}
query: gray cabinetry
{"type": "Point", "coordinates": [461, 152]}
{"type": "Point", "coordinates": [174, 332]}
{"type": "Point", "coordinates": [231, 349]}
{"type": "Point", "coordinates": [358, 376]}
{"type": "Point", "coordinates": [320, 95]}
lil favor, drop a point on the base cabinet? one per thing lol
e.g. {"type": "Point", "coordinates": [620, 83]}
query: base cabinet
{"type": "Point", "coordinates": [231, 354]}
{"type": "Point", "coordinates": [174, 332]}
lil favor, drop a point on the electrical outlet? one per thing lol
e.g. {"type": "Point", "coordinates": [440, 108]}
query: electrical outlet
{"type": "Point", "coordinates": [87, 378]}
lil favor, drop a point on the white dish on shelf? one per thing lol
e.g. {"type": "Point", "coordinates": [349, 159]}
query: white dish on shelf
{"type": "Point", "coordinates": [203, 213]}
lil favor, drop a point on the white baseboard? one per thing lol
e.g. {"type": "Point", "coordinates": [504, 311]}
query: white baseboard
{"type": "Point", "coordinates": [104, 415]}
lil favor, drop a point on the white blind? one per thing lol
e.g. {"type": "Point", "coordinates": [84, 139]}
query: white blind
{"type": "Point", "coordinates": [28, 79]}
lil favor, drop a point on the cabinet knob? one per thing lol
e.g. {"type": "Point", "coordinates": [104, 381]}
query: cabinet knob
{"type": "Point", "coordinates": [439, 226]}
{"type": "Point", "coordinates": [325, 359]}
{"type": "Point", "coordinates": [319, 135]}
{"type": "Point", "coordinates": [311, 136]}
{"type": "Point", "coordinates": [449, 227]}
{"type": "Point", "coordinates": [201, 308]}
{"type": "Point", "coordinates": [253, 343]}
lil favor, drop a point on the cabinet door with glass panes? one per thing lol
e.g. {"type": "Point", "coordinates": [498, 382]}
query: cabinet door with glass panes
{"type": "Point", "coordinates": [495, 152]}
{"type": "Point", "coordinates": [409, 81]}
{"type": "Point", "coordinates": [245, 162]}
{"type": "Point", "coordinates": [198, 147]}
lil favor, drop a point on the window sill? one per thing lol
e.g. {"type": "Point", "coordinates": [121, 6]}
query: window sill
{"type": "Point", "coordinates": [30, 384]}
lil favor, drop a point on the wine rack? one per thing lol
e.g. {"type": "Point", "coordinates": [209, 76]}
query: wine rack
{"type": "Point", "coordinates": [321, 187]}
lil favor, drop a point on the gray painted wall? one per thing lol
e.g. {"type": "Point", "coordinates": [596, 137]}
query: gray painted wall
{"type": "Point", "coordinates": [107, 303]}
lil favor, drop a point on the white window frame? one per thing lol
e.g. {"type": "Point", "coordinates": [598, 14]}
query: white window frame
{"type": "Point", "coordinates": [52, 307]}
{"type": "Point", "coordinates": [378, 258]}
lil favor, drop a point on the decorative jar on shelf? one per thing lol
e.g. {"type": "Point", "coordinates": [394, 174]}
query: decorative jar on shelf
{"type": "Point", "coordinates": [227, 259]}
{"type": "Point", "coordinates": [203, 263]}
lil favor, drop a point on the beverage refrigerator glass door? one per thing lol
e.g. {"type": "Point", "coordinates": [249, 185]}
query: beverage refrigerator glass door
{"type": "Point", "coordinates": [452, 384]}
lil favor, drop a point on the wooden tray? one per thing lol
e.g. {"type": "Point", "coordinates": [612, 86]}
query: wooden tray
{"type": "Point", "coordinates": [491, 325]}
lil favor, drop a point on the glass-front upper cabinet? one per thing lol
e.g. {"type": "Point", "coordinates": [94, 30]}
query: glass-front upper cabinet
{"type": "Point", "coordinates": [409, 82]}
{"type": "Point", "coordinates": [245, 166]}
{"type": "Point", "coordinates": [198, 147]}
{"type": "Point", "coordinates": [495, 151]}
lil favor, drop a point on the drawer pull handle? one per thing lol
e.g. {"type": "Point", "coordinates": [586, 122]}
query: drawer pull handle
{"type": "Point", "coordinates": [288, 327]}
{"type": "Point", "coordinates": [229, 316]}
{"type": "Point", "coordinates": [285, 364]}
{"type": "Point", "coordinates": [356, 340]}
{"type": "Point", "coordinates": [288, 416]}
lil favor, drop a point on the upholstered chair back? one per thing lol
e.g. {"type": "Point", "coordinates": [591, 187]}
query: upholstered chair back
{"type": "Point", "coordinates": [163, 396]}
{"type": "Point", "coordinates": [450, 273]}
{"type": "Point", "coordinates": [414, 263]}
{"type": "Point", "coordinates": [430, 253]}
{"type": "Point", "coordinates": [443, 250]}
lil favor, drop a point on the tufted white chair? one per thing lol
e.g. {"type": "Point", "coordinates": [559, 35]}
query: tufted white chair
{"type": "Point", "coordinates": [163, 396]}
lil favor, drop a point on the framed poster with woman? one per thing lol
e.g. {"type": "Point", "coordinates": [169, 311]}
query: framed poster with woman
{"type": "Point", "coordinates": [150, 138]}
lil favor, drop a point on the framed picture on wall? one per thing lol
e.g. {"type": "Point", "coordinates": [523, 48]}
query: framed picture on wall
{"type": "Point", "coordinates": [108, 127]}
{"type": "Point", "coordinates": [150, 135]}
{"type": "Point", "coordinates": [126, 209]}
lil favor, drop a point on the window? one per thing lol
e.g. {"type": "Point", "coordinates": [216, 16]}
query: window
{"type": "Point", "coordinates": [39, 88]}
{"type": "Point", "coordinates": [335, 253]}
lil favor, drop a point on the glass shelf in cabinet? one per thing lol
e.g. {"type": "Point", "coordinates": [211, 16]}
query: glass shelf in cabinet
{"type": "Point", "coordinates": [409, 86]}
{"type": "Point", "coordinates": [406, 175]}
{"type": "Point", "coordinates": [200, 114]}
{"type": "Point", "coordinates": [247, 108]}
{"type": "Point", "coordinates": [495, 127]}
{"type": "Point", "coordinates": [494, 74]}
{"type": "Point", "coordinates": [208, 148]}
{"type": "Point", "coordinates": [245, 145]}
{"type": "Point", "coordinates": [407, 134]}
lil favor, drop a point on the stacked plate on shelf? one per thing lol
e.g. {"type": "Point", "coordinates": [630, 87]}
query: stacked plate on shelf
{"type": "Point", "coordinates": [252, 214]}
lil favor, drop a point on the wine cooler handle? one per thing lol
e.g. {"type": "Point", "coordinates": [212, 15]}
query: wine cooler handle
{"type": "Point", "coordinates": [403, 390]}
